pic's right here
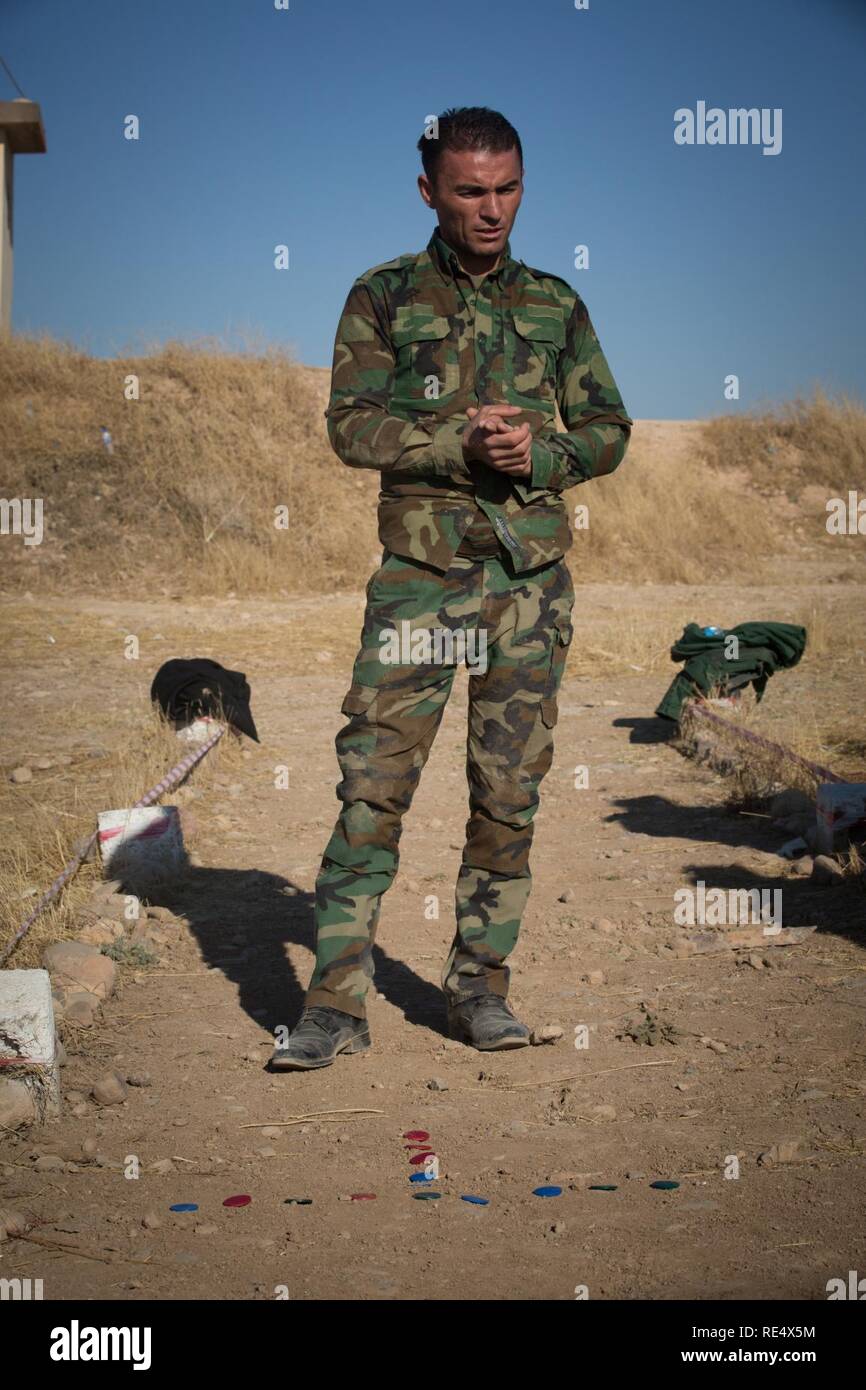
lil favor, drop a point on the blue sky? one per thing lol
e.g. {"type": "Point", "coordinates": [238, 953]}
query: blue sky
{"type": "Point", "coordinates": [261, 127]}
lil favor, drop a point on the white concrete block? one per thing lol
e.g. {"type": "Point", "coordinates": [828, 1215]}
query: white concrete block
{"type": "Point", "coordinates": [28, 1048]}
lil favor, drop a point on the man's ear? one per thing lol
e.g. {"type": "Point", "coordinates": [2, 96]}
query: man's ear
{"type": "Point", "coordinates": [425, 188]}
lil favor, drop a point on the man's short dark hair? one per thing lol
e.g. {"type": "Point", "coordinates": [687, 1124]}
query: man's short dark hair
{"type": "Point", "coordinates": [468, 128]}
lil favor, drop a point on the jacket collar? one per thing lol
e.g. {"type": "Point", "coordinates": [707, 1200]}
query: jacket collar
{"type": "Point", "coordinates": [445, 259]}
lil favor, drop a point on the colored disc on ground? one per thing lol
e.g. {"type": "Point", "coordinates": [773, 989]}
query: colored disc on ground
{"type": "Point", "coordinates": [602, 1187]}
{"type": "Point", "coordinates": [419, 1177]}
{"type": "Point", "coordinates": [422, 1157]}
{"type": "Point", "coordinates": [426, 1196]}
{"type": "Point", "coordinates": [665, 1185]}
{"type": "Point", "coordinates": [476, 1201]}
{"type": "Point", "coordinates": [242, 1200]}
{"type": "Point", "coordinates": [363, 1197]}
{"type": "Point", "coordinates": [416, 1134]}
{"type": "Point", "coordinates": [547, 1191]}
{"type": "Point", "coordinates": [184, 1206]}
{"type": "Point", "coordinates": [297, 1201]}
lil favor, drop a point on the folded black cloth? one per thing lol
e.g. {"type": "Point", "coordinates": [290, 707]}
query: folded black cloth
{"type": "Point", "coordinates": [190, 688]}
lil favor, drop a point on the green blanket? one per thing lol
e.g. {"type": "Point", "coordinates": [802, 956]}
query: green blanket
{"type": "Point", "coordinates": [762, 648]}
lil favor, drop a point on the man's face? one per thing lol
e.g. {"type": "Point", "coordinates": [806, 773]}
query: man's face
{"type": "Point", "coordinates": [476, 195]}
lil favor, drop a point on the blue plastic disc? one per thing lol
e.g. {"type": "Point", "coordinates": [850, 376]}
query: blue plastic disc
{"type": "Point", "coordinates": [547, 1191]}
{"type": "Point", "coordinates": [476, 1201]}
{"type": "Point", "coordinates": [420, 1177]}
{"type": "Point", "coordinates": [184, 1206]}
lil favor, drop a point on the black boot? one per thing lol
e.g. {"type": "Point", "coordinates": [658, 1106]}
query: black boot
{"type": "Point", "coordinates": [486, 1023]}
{"type": "Point", "coordinates": [318, 1036]}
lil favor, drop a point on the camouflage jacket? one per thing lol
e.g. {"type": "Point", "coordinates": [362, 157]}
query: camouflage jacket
{"type": "Point", "coordinates": [417, 345]}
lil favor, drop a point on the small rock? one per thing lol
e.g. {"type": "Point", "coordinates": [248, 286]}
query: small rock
{"type": "Point", "coordinates": [21, 774]}
{"type": "Point", "coordinates": [802, 867]}
{"type": "Point", "coordinates": [17, 1106]}
{"type": "Point", "coordinates": [567, 896]}
{"type": "Point", "coordinates": [163, 1165]}
{"type": "Point", "coordinates": [110, 1089]}
{"type": "Point", "coordinates": [714, 1045]}
{"type": "Point", "coordinates": [558, 1228]}
{"type": "Point", "coordinates": [101, 933]}
{"type": "Point", "coordinates": [272, 1132]}
{"type": "Point", "coordinates": [604, 925]}
{"type": "Point", "coordinates": [90, 1147]}
{"type": "Point", "coordinates": [77, 965]}
{"type": "Point", "coordinates": [436, 1085]}
{"type": "Point", "coordinates": [80, 1008]}
{"type": "Point", "coordinates": [603, 1112]}
{"type": "Point", "coordinates": [48, 1163]}
{"type": "Point", "coordinates": [550, 1033]}
{"type": "Point", "coordinates": [13, 1222]}
{"type": "Point", "coordinates": [787, 1151]}
{"type": "Point", "coordinates": [755, 961]}
{"type": "Point", "coordinates": [139, 1078]}
{"type": "Point", "coordinates": [826, 871]}
{"type": "Point", "coordinates": [594, 977]}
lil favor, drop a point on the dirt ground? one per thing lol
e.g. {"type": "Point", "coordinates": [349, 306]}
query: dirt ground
{"type": "Point", "coordinates": [768, 1049]}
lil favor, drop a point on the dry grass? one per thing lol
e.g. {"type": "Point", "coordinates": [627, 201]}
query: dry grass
{"type": "Point", "coordinates": [820, 441]}
{"type": "Point", "coordinates": [218, 441]}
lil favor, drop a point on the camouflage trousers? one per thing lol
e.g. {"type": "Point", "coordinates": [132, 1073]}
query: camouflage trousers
{"type": "Point", "coordinates": [516, 632]}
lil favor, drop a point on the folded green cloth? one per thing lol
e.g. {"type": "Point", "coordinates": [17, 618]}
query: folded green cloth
{"type": "Point", "coordinates": [762, 648]}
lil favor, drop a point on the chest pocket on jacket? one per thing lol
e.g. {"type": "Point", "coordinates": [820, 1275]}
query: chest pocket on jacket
{"type": "Point", "coordinates": [538, 341]}
{"type": "Point", "coordinates": [426, 368]}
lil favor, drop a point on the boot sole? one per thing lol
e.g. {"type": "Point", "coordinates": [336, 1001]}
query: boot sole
{"type": "Point", "coordinates": [280, 1062]}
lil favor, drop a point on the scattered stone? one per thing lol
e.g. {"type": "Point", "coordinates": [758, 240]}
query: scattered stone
{"type": "Point", "coordinates": [102, 932]}
{"type": "Point", "coordinates": [21, 774]}
{"type": "Point", "coordinates": [603, 1112]}
{"type": "Point", "coordinates": [139, 1078]}
{"type": "Point", "coordinates": [567, 896]}
{"type": "Point", "coordinates": [13, 1222]}
{"type": "Point", "coordinates": [604, 925]}
{"type": "Point", "coordinates": [110, 1089]}
{"type": "Point", "coordinates": [594, 977]}
{"type": "Point", "coordinates": [77, 965]}
{"type": "Point", "coordinates": [17, 1104]}
{"type": "Point", "coordinates": [714, 1045]}
{"type": "Point", "coordinates": [826, 871]}
{"type": "Point", "coordinates": [436, 1085]}
{"type": "Point", "coordinates": [787, 1151]}
{"type": "Point", "coordinates": [271, 1132]}
{"type": "Point", "coordinates": [90, 1147]}
{"type": "Point", "coordinates": [47, 1163]}
{"type": "Point", "coordinates": [80, 1008]}
{"type": "Point", "coordinates": [550, 1033]}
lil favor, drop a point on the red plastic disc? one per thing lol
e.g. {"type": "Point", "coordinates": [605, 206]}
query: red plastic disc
{"type": "Point", "coordinates": [416, 1134]}
{"type": "Point", "coordinates": [239, 1201]}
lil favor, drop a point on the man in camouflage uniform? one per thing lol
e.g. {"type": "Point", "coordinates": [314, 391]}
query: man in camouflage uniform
{"type": "Point", "coordinates": [448, 369]}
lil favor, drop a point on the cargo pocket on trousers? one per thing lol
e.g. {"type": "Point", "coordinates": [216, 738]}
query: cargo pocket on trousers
{"type": "Point", "coordinates": [562, 636]}
{"type": "Point", "coordinates": [359, 699]}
